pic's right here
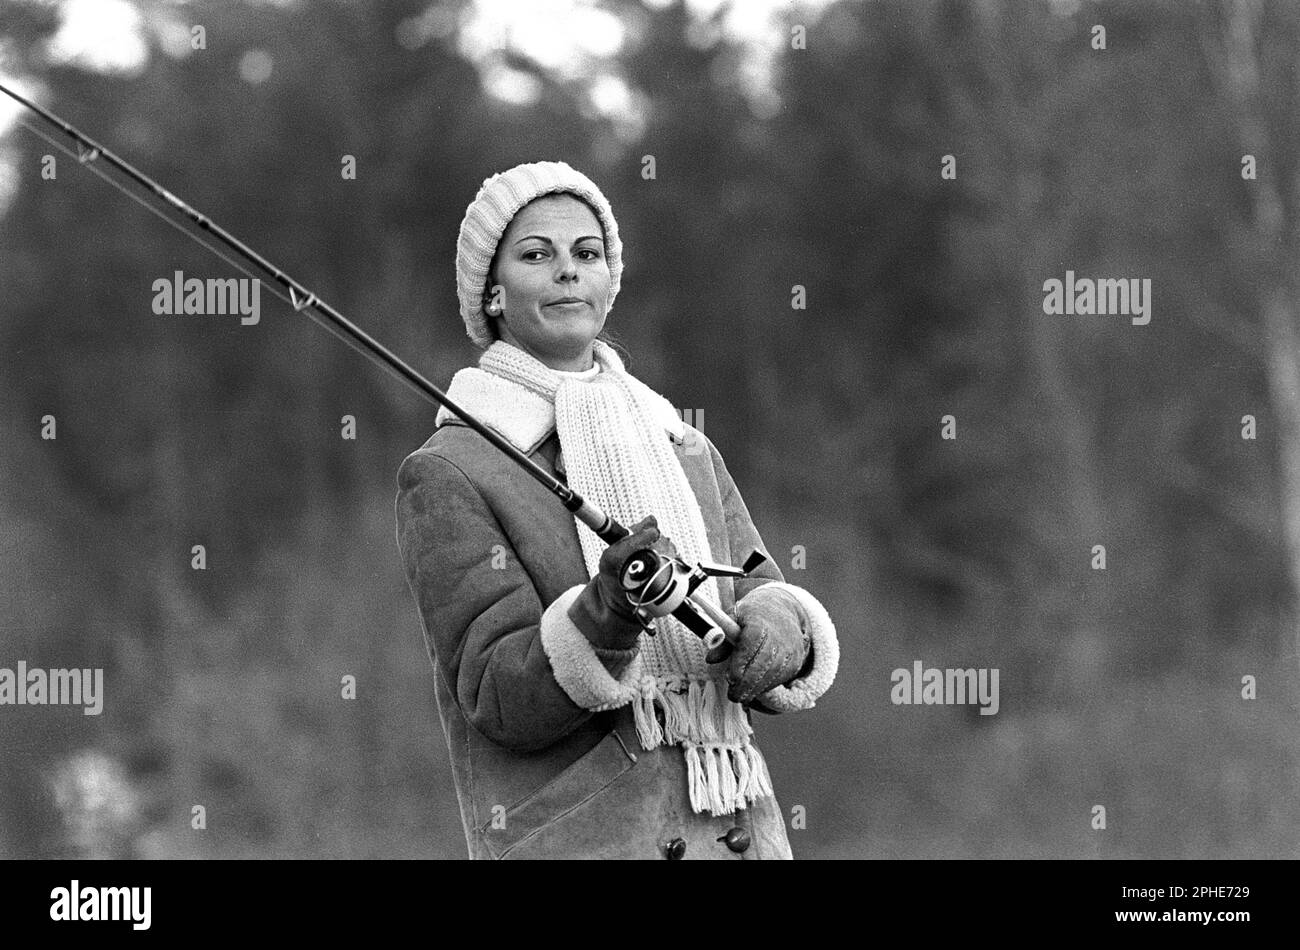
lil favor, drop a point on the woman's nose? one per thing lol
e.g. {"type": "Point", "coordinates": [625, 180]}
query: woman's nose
{"type": "Point", "coordinates": [566, 268]}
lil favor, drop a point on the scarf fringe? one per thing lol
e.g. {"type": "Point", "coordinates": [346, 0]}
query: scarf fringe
{"type": "Point", "coordinates": [643, 711]}
{"type": "Point", "coordinates": [724, 769]}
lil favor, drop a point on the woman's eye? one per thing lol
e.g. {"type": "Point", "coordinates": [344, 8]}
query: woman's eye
{"type": "Point", "coordinates": [595, 255]}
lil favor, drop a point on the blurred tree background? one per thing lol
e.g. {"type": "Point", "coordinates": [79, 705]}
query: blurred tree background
{"type": "Point", "coordinates": [806, 151]}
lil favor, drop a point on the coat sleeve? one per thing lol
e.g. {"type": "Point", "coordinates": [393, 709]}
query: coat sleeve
{"type": "Point", "coordinates": [767, 582]}
{"type": "Point", "coordinates": [480, 611]}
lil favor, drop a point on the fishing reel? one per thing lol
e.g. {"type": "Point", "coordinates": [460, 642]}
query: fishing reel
{"type": "Point", "coordinates": [659, 585]}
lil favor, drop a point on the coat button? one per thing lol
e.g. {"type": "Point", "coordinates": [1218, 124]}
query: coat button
{"type": "Point", "coordinates": [737, 840]}
{"type": "Point", "coordinates": [675, 849]}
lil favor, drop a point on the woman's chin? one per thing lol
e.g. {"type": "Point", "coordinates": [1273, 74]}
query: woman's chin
{"type": "Point", "coordinates": [576, 331]}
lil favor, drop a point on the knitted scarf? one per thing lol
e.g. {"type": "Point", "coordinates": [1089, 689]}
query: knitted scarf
{"type": "Point", "coordinates": [616, 454]}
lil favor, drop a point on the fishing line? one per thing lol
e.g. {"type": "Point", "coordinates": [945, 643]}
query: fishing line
{"type": "Point", "coordinates": [668, 585]}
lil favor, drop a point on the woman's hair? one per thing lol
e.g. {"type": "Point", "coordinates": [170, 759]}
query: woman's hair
{"type": "Point", "coordinates": [492, 322]}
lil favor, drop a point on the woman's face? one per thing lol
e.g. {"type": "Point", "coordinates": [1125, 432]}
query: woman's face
{"type": "Point", "coordinates": [553, 250]}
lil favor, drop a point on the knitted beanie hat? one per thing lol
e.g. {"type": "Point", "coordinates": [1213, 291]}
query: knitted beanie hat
{"type": "Point", "coordinates": [487, 217]}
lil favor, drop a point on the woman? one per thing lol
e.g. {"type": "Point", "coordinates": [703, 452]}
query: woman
{"type": "Point", "coordinates": [572, 732]}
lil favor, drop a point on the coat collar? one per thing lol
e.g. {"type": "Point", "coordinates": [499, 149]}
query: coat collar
{"type": "Point", "coordinates": [524, 418]}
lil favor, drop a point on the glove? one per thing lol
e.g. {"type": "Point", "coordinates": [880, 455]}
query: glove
{"type": "Point", "coordinates": [772, 648]}
{"type": "Point", "coordinates": [602, 611]}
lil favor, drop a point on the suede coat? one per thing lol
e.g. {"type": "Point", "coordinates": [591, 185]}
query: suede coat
{"type": "Point", "coordinates": [486, 550]}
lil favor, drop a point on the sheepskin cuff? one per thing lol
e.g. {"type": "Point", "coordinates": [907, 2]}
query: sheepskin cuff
{"type": "Point", "coordinates": [577, 666]}
{"type": "Point", "coordinates": [603, 628]}
{"type": "Point", "coordinates": [803, 691]}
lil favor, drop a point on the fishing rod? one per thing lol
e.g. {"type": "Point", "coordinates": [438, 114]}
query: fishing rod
{"type": "Point", "coordinates": [656, 585]}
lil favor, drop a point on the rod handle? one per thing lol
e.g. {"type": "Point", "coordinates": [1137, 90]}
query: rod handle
{"type": "Point", "coordinates": [730, 629]}
{"type": "Point", "coordinates": [720, 641]}
{"type": "Point", "coordinates": [606, 528]}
